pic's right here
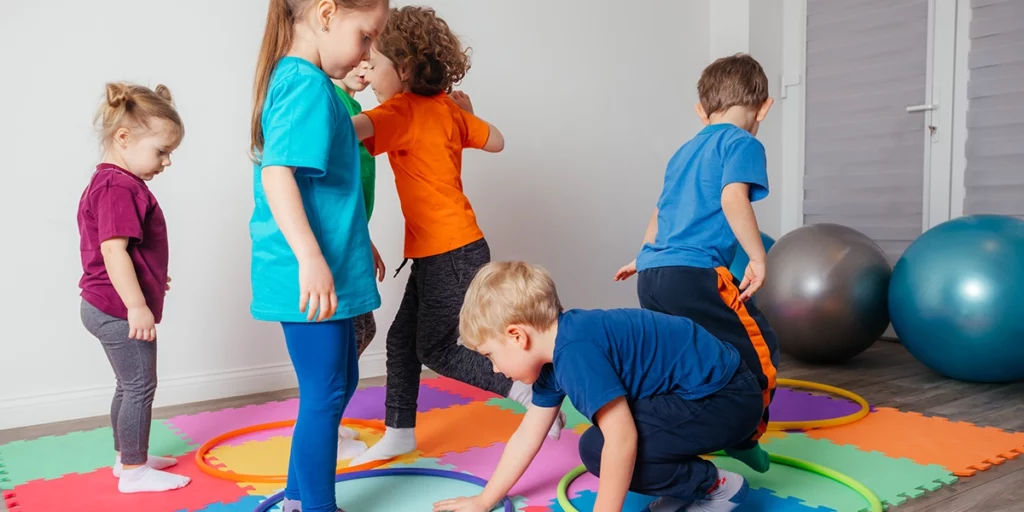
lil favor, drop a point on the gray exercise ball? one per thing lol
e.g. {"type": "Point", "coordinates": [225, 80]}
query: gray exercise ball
{"type": "Point", "coordinates": [826, 292]}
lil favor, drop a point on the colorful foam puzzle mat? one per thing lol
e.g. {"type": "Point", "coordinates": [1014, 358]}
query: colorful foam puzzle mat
{"type": "Point", "coordinates": [899, 455]}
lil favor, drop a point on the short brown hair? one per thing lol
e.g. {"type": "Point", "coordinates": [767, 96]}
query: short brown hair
{"type": "Point", "coordinates": [731, 81]}
{"type": "Point", "coordinates": [505, 293]}
{"type": "Point", "coordinates": [421, 43]}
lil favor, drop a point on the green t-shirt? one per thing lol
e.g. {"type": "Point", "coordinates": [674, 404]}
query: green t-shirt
{"type": "Point", "coordinates": [366, 161]}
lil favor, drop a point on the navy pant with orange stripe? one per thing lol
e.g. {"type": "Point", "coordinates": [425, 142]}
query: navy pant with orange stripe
{"type": "Point", "coordinates": [710, 297]}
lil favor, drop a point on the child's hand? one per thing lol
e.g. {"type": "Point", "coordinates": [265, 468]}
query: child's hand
{"type": "Point", "coordinates": [378, 264]}
{"type": "Point", "coordinates": [462, 100]}
{"type": "Point", "coordinates": [626, 272]}
{"type": "Point", "coordinates": [316, 289]}
{"type": "Point", "coordinates": [167, 287]}
{"type": "Point", "coordinates": [141, 324]}
{"type": "Point", "coordinates": [753, 278]}
{"type": "Point", "coordinates": [462, 505]}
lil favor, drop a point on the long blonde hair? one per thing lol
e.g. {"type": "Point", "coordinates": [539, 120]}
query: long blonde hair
{"type": "Point", "coordinates": [277, 39]}
{"type": "Point", "coordinates": [133, 106]}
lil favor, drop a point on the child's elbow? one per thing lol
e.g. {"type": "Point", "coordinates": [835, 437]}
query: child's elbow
{"type": "Point", "coordinates": [495, 140]}
{"type": "Point", "coordinates": [495, 144]}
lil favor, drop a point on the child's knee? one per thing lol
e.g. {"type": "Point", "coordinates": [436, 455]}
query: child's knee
{"type": "Point", "coordinates": [328, 399]}
{"type": "Point", "coordinates": [141, 388]}
{"type": "Point", "coordinates": [591, 444]}
{"type": "Point", "coordinates": [433, 351]}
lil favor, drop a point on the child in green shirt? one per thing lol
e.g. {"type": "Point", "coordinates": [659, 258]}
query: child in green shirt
{"type": "Point", "coordinates": [347, 88]}
{"type": "Point", "coordinates": [365, 325]}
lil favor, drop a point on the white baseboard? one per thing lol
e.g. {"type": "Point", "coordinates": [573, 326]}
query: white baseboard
{"type": "Point", "coordinates": [95, 401]}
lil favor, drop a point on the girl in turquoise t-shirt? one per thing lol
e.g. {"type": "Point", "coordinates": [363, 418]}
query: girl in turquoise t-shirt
{"type": "Point", "coordinates": [312, 264]}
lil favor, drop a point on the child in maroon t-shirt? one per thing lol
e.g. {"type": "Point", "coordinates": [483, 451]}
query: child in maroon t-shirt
{"type": "Point", "coordinates": [124, 263]}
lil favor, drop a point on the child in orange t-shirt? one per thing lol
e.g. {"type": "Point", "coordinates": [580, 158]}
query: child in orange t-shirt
{"type": "Point", "coordinates": [423, 127]}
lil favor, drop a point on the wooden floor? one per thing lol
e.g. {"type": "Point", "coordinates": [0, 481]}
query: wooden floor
{"type": "Point", "coordinates": [885, 375]}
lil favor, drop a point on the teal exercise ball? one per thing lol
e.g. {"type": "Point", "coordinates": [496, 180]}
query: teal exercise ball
{"type": "Point", "coordinates": [741, 260]}
{"type": "Point", "coordinates": [955, 296]}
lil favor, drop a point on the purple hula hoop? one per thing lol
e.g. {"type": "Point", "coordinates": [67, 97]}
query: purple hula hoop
{"type": "Point", "coordinates": [370, 473]}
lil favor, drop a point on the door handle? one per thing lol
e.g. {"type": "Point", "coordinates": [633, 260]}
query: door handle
{"type": "Point", "coordinates": [921, 108]}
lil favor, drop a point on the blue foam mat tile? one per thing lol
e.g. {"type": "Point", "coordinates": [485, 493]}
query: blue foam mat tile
{"type": "Point", "coordinates": [246, 504]}
{"type": "Point", "coordinates": [758, 500]}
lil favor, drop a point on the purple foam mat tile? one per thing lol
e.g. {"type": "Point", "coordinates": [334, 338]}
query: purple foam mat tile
{"type": "Point", "coordinates": [366, 404]}
{"type": "Point", "coordinates": [791, 405]}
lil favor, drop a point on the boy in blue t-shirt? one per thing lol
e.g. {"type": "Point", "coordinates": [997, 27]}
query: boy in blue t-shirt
{"type": "Point", "coordinates": [703, 212]}
{"type": "Point", "coordinates": [660, 390]}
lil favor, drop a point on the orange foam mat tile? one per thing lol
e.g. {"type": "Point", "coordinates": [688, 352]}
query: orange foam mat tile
{"type": "Point", "coordinates": [962, 448]}
{"type": "Point", "coordinates": [462, 427]}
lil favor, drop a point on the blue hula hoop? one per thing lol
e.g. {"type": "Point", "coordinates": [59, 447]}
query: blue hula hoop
{"type": "Point", "coordinates": [370, 473]}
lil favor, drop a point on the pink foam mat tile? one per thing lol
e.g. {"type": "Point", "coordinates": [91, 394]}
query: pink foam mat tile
{"type": "Point", "coordinates": [540, 482]}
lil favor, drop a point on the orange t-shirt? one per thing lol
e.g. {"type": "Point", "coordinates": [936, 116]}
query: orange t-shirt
{"type": "Point", "coordinates": [424, 138]}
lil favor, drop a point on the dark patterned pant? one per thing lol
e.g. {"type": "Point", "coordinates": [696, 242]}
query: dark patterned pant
{"type": "Point", "coordinates": [366, 329]}
{"type": "Point", "coordinates": [426, 332]}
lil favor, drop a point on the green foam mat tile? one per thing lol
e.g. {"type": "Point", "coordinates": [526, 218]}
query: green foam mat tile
{"type": "Point", "coordinates": [405, 493]}
{"type": "Point", "coordinates": [808, 489]}
{"type": "Point", "coordinates": [573, 417]}
{"type": "Point", "coordinates": [507, 404]}
{"type": "Point", "coordinates": [425, 462]}
{"type": "Point", "coordinates": [5, 481]}
{"type": "Point", "coordinates": [894, 480]}
{"type": "Point", "coordinates": [51, 457]}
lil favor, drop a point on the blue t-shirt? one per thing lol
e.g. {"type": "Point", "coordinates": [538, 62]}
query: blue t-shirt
{"type": "Point", "coordinates": [601, 355]}
{"type": "Point", "coordinates": [305, 126]}
{"type": "Point", "coordinates": [692, 229]}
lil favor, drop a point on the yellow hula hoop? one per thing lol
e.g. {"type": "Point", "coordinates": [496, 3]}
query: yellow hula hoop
{"type": "Point", "coordinates": [831, 422]}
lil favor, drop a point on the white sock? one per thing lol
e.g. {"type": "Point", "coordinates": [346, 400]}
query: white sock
{"type": "Point", "coordinates": [396, 441]}
{"type": "Point", "coordinates": [727, 494]}
{"type": "Point", "coordinates": [523, 393]}
{"type": "Point", "coordinates": [147, 479]}
{"type": "Point", "coordinates": [288, 505]}
{"type": "Point", "coordinates": [347, 433]}
{"type": "Point", "coordinates": [153, 461]}
{"type": "Point", "coordinates": [350, 448]}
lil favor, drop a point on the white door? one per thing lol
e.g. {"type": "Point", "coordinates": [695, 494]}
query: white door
{"type": "Point", "coordinates": [873, 116]}
{"type": "Point", "coordinates": [868, 89]}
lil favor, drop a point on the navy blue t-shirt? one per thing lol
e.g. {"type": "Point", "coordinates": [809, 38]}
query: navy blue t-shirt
{"type": "Point", "coordinates": [601, 355]}
{"type": "Point", "coordinates": [692, 229]}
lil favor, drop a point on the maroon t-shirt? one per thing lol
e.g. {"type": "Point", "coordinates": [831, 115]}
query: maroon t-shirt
{"type": "Point", "coordinates": [119, 204]}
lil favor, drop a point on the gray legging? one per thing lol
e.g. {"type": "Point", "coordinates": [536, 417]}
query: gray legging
{"type": "Point", "coordinates": [134, 364]}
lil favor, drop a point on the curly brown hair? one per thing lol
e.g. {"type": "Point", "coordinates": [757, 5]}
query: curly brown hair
{"type": "Point", "coordinates": [423, 46]}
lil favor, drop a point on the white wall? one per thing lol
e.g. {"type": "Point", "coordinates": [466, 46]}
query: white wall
{"type": "Point", "coordinates": [766, 46]}
{"type": "Point", "coordinates": [592, 103]}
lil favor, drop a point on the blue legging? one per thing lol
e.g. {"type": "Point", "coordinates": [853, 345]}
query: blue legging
{"type": "Point", "coordinates": [327, 367]}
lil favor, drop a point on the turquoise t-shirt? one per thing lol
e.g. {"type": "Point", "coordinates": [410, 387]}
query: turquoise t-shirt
{"type": "Point", "coordinates": [305, 126]}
